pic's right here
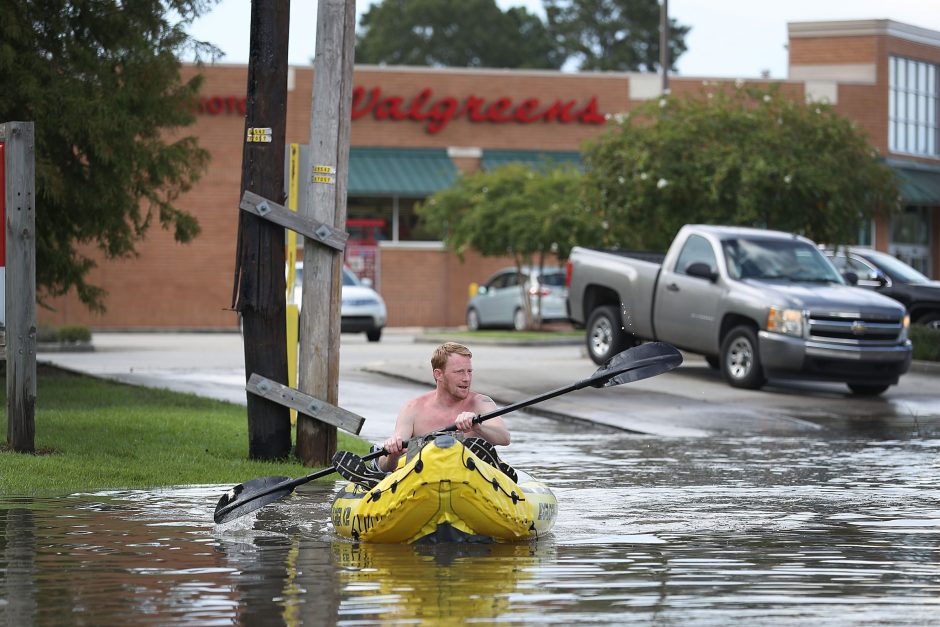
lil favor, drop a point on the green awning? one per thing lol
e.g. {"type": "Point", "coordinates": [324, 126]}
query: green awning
{"type": "Point", "coordinates": [919, 183]}
{"type": "Point", "coordinates": [536, 158]}
{"type": "Point", "coordinates": [408, 172]}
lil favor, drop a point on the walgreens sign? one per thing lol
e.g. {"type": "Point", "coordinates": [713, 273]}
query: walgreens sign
{"type": "Point", "coordinates": [437, 112]}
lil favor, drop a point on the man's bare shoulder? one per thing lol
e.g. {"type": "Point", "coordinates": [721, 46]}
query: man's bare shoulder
{"type": "Point", "coordinates": [418, 403]}
{"type": "Point", "coordinates": [482, 400]}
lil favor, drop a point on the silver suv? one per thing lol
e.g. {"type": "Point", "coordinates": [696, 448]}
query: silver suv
{"type": "Point", "coordinates": [499, 303]}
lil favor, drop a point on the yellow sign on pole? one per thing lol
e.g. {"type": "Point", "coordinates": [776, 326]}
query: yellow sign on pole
{"type": "Point", "coordinates": [293, 318]}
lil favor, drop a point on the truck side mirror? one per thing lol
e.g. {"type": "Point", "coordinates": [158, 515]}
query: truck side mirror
{"type": "Point", "coordinates": [850, 277]}
{"type": "Point", "coordinates": [880, 277]}
{"type": "Point", "coordinates": [702, 270]}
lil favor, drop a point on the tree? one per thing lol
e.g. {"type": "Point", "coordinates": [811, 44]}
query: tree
{"type": "Point", "coordinates": [612, 35]}
{"type": "Point", "coordinates": [101, 81]}
{"type": "Point", "coordinates": [454, 33]}
{"type": "Point", "coordinates": [513, 210]}
{"type": "Point", "coordinates": [735, 155]}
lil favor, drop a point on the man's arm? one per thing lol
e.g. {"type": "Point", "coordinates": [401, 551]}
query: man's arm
{"type": "Point", "coordinates": [493, 430]}
{"type": "Point", "coordinates": [404, 429]}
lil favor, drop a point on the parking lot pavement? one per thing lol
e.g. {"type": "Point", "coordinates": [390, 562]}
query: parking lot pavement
{"type": "Point", "coordinates": [376, 378]}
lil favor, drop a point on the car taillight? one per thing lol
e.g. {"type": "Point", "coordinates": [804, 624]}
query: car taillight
{"type": "Point", "coordinates": [568, 275]}
{"type": "Point", "coordinates": [535, 291]}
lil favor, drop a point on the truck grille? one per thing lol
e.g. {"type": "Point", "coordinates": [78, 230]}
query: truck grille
{"type": "Point", "coordinates": [856, 329]}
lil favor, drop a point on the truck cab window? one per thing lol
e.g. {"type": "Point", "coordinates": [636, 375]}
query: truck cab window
{"type": "Point", "coordinates": [695, 250]}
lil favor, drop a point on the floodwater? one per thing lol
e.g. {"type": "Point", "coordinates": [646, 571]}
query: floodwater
{"type": "Point", "coordinates": [837, 529]}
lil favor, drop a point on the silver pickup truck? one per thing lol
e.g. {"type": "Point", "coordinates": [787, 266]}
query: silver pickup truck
{"type": "Point", "coordinates": [755, 303]}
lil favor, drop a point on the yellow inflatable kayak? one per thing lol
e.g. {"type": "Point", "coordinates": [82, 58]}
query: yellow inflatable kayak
{"type": "Point", "coordinates": [445, 493]}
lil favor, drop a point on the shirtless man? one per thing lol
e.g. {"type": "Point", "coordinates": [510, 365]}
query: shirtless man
{"type": "Point", "coordinates": [450, 403]}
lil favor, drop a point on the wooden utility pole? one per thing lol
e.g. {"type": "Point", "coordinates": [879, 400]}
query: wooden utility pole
{"type": "Point", "coordinates": [18, 184]}
{"type": "Point", "coordinates": [664, 43]}
{"type": "Point", "coordinates": [259, 291]}
{"type": "Point", "coordinates": [326, 202]}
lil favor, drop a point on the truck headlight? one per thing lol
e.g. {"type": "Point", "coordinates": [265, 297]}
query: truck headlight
{"type": "Point", "coordinates": [786, 321]}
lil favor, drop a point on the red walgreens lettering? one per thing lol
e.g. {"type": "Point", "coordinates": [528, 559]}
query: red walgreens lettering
{"type": "Point", "coordinates": [439, 113]}
{"type": "Point", "coordinates": [217, 105]}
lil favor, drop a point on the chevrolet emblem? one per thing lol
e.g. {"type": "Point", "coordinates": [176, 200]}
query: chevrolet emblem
{"type": "Point", "coordinates": [858, 328]}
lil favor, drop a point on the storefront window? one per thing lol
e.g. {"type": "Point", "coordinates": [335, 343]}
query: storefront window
{"type": "Point", "coordinates": [912, 107]}
{"type": "Point", "coordinates": [910, 238]}
{"type": "Point", "coordinates": [369, 219]}
{"type": "Point", "coordinates": [399, 221]}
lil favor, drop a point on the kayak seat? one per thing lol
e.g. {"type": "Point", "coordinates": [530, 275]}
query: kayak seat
{"type": "Point", "coordinates": [352, 468]}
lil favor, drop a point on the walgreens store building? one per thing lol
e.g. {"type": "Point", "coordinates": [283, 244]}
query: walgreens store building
{"type": "Point", "coordinates": [415, 130]}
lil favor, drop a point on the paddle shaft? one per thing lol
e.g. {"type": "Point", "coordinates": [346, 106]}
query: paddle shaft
{"type": "Point", "coordinates": [596, 380]}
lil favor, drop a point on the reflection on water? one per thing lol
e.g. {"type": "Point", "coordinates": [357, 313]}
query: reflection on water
{"type": "Point", "coordinates": [690, 531]}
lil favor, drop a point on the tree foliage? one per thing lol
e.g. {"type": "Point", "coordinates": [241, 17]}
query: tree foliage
{"type": "Point", "coordinates": [101, 82]}
{"type": "Point", "coordinates": [531, 215]}
{"type": "Point", "coordinates": [621, 35]}
{"type": "Point", "coordinates": [454, 33]}
{"type": "Point", "coordinates": [735, 155]}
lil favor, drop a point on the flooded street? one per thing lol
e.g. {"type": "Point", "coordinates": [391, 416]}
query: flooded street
{"type": "Point", "coordinates": [816, 528]}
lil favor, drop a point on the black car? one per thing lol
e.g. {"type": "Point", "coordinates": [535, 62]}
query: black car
{"type": "Point", "coordinates": [892, 277]}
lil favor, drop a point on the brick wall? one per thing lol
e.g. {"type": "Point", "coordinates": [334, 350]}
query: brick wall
{"type": "Point", "coordinates": [833, 50]}
{"type": "Point", "coordinates": [430, 286]}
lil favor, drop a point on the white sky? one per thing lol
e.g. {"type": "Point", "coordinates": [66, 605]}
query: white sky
{"type": "Point", "coordinates": [729, 38]}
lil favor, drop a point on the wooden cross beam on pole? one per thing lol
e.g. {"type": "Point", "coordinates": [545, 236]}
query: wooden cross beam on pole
{"type": "Point", "coordinates": [326, 234]}
{"type": "Point", "coordinates": [326, 182]}
{"type": "Point", "coordinates": [305, 404]}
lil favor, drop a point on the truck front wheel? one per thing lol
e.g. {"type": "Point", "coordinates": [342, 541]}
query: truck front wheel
{"type": "Point", "coordinates": [740, 359]}
{"type": "Point", "coordinates": [605, 335]}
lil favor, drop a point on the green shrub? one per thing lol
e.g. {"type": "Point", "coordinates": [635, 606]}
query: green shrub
{"type": "Point", "coordinates": [47, 333]}
{"type": "Point", "coordinates": [926, 343]}
{"type": "Point", "coordinates": [74, 334]}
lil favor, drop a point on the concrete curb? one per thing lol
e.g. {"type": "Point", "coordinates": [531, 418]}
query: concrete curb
{"type": "Point", "coordinates": [926, 367]}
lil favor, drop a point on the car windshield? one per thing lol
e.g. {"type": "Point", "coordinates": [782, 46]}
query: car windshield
{"type": "Point", "coordinates": [896, 269]}
{"type": "Point", "coordinates": [348, 277]}
{"type": "Point", "coordinates": [777, 259]}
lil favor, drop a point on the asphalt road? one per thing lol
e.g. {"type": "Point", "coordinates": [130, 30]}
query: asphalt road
{"type": "Point", "coordinates": [376, 378]}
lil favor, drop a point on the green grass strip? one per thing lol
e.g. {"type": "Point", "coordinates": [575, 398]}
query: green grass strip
{"type": "Point", "coordinates": [93, 434]}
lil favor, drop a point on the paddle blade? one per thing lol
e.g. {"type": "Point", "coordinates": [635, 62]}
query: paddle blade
{"type": "Point", "coordinates": [249, 496]}
{"type": "Point", "coordinates": [640, 362]}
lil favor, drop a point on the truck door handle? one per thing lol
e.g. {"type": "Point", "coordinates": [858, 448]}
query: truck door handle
{"type": "Point", "coordinates": [672, 287]}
